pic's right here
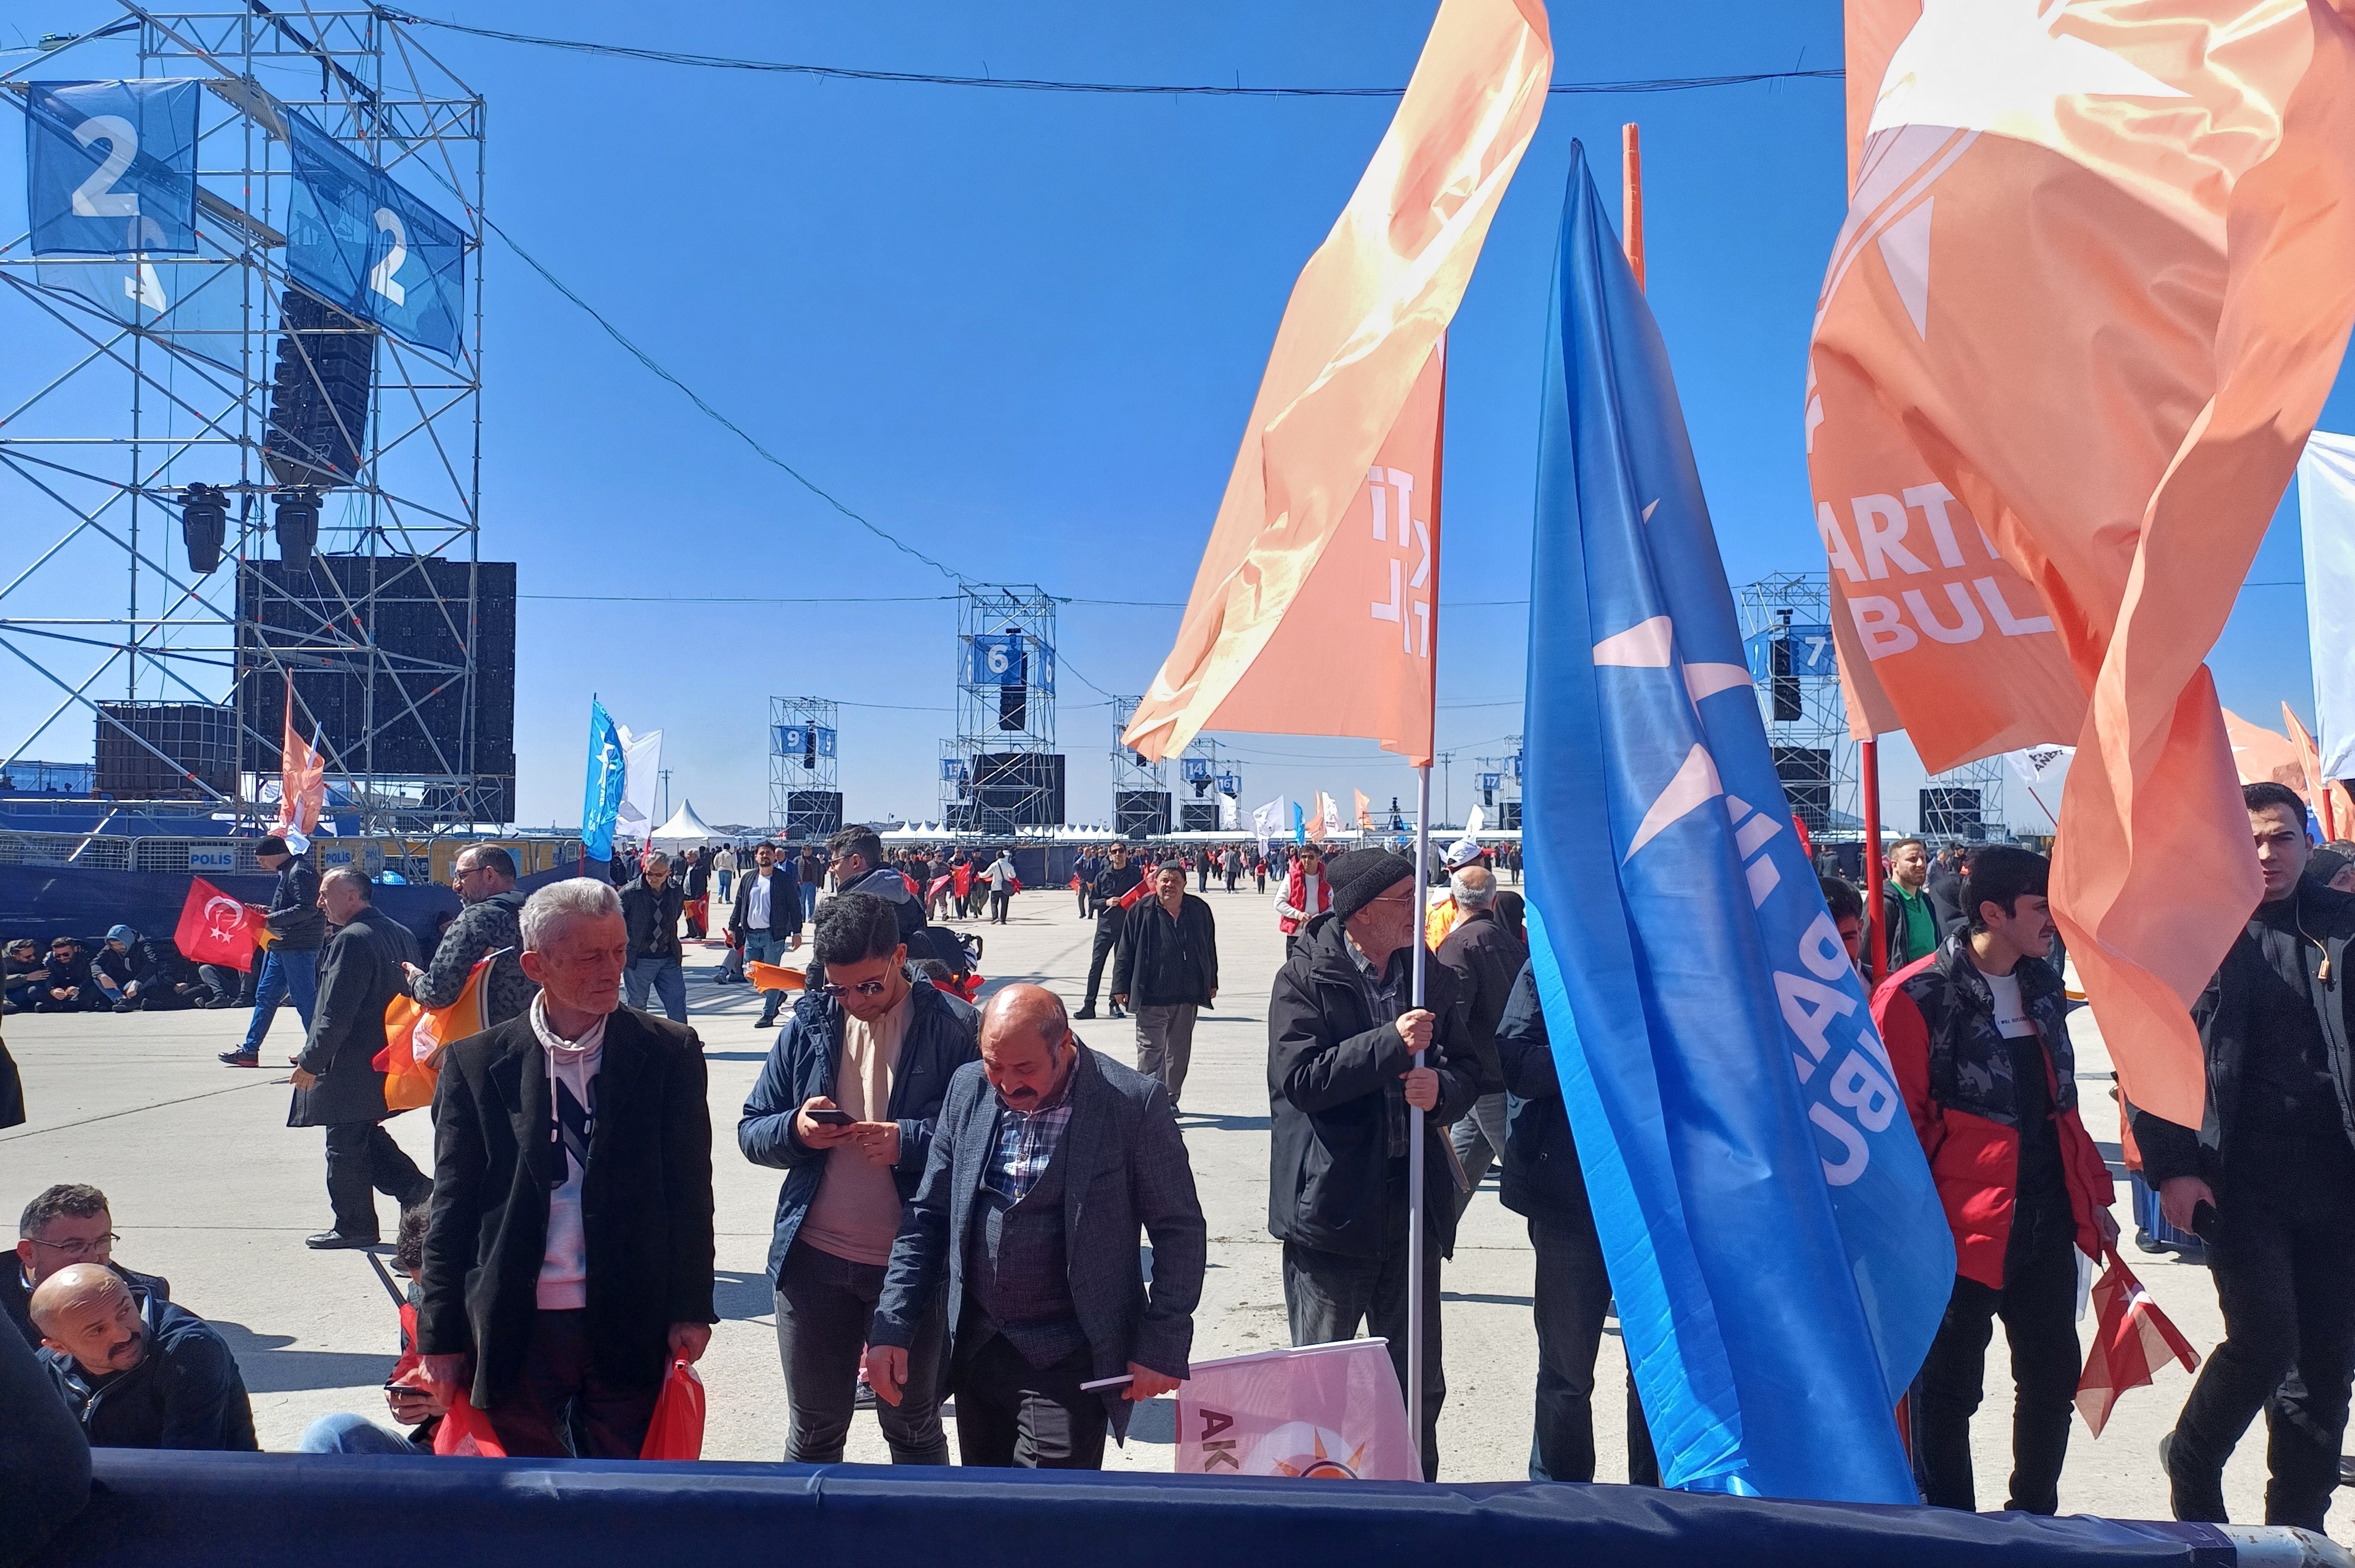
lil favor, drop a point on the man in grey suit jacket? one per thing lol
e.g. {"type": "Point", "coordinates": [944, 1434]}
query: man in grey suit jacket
{"type": "Point", "coordinates": [1047, 1157]}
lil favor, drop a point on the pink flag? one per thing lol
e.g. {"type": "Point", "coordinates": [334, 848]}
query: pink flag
{"type": "Point", "coordinates": [1314, 611]}
{"type": "Point", "coordinates": [2092, 290]}
{"type": "Point", "coordinates": [1321, 1413]}
{"type": "Point", "coordinates": [2132, 1339]}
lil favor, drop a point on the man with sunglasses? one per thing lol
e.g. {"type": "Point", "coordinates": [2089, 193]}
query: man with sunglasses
{"type": "Point", "coordinates": [846, 1107]}
{"type": "Point", "coordinates": [67, 1225]}
{"type": "Point", "coordinates": [484, 876]}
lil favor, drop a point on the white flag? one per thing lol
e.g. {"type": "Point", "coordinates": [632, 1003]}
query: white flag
{"type": "Point", "coordinates": [642, 764]}
{"type": "Point", "coordinates": [1231, 813]}
{"type": "Point", "coordinates": [1267, 822]}
{"type": "Point", "coordinates": [2040, 764]}
{"type": "Point", "coordinates": [2326, 509]}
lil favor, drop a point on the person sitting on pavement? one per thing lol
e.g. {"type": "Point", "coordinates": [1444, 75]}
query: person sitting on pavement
{"type": "Point", "coordinates": [21, 974]}
{"type": "Point", "coordinates": [137, 1371]}
{"type": "Point", "coordinates": [147, 974]}
{"type": "Point", "coordinates": [69, 987]}
{"type": "Point", "coordinates": [63, 1225]}
{"type": "Point", "coordinates": [484, 876]}
{"type": "Point", "coordinates": [413, 1402]}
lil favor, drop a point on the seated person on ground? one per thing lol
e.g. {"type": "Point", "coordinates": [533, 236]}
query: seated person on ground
{"type": "Point", "coordinates": [137, 1371]}
{"type": "Point", "coordinates": [69, 987]}
{"type": "Point", "coordinates": [67, 1225]}
{"type": "Point", "coordinates": [21, 973]}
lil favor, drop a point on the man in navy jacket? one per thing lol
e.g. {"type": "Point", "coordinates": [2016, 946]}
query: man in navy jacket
{"type": "Point", "coordinates": [871, 1052]}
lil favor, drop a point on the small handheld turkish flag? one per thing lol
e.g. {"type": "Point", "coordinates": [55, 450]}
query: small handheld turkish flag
{"type": "Point", "coordinates": [215, 928]}
{"type": "Point", "coordinates": [2134, 1340]}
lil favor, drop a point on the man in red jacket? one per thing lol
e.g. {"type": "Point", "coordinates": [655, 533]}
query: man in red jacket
{"type": "Point", "coordinates": [1977, 1033]}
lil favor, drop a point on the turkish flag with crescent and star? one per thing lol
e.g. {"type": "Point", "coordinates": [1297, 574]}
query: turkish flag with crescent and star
{"type": "Point", "coordinates": [216, 928]}
{"type": "Point", "coordinates": [2092, 290]}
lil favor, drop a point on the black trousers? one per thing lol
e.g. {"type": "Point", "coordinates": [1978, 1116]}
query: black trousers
{"type": "Point", "coordinates": [2038, 1304]}
{"type": "Point", "coordinates": [1572, 1297]}
{"type": "Point", "coordinates": [997, 903]}
{"type": "Point", "coordinates": [1327, 1295]}
{"type": "Point", "coordinates": [362, 1160]}
{"type": "Point", "coordinates": [563, 1406]}
{"type": "Point", "coordinates": [2284, 1258]}
{"type": "Point", "coordinates": [1107, 938]}
{"type": "Point", "coordinates": [1011, 1414]}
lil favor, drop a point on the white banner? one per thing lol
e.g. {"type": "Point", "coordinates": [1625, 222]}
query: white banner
{"type": "Point", "coordinates": [1267, 822]}
{"type": "Point", "coordinates": [2325, 507]}
{"type": "Point", "coordinates": [641, 780]}
{"type": "Point", "coordinates": [2040, 764]}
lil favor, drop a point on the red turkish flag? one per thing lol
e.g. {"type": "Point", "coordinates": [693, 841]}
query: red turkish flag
{"type": "Point", "coordinates": [215, 928]}
{"type": "Point", "coordinates": [2133, 1342]}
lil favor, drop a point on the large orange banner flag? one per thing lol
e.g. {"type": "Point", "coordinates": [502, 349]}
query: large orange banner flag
{"type": "Point", "coordinates": [2094, 282]}
{"type": "Point", "coordinates": [302, 781]}
{"type": "Point", "coordinates": [1316, 606]}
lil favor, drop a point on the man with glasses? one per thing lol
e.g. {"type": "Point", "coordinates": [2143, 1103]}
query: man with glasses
{"type": "Point", "coordinates": [1109, 897]}
{"type": "Point", "coordinates": [484, 878]}
{"type": "Point", "coordinates": [65, 1225]}
{"type": "Point", "coordinates": [846, 1107]}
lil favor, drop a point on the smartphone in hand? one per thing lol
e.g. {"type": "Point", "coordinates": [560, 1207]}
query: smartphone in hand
{"type": "Point", "coordinates": [830, 1117]}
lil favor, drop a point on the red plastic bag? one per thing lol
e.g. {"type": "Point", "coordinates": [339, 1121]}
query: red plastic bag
{"type": "Point", "coordinates": [466, 1431]}
{"type": "Point", "coordinates": [676, 1430]}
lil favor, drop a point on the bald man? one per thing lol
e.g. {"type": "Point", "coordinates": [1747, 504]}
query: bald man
{"type": "Point", "coordinates": [137, 1371]}
{"type": "Point", "coordinates": [1047, 1160]}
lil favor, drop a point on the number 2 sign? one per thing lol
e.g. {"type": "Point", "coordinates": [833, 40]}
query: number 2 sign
{"type": "Point", "coordinates": [111, 167]}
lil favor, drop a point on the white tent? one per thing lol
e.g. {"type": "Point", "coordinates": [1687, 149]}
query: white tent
{"type": "Point", "coordinates": [685, 829]}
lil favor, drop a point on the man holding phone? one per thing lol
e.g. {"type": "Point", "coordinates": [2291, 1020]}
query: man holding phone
{"type": "Point", "coordinates": [846, 1107]}
{"type": "Point", "coordinates": [2268, 1183]}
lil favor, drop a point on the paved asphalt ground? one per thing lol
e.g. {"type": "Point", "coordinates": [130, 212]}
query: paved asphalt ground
{"type": "Point", "coordinates": [211, 1188]}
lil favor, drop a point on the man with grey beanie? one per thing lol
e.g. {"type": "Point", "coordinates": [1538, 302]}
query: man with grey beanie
{"type": "Point", "coordinates": [1342, 1034]}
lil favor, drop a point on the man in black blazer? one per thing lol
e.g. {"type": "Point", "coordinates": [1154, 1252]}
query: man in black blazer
{"type": "Point", "coordinates": [337, 1083]}
{"type": "Point", "coordinates": [1045, 1153]}
{"type": "Point", "coordinates": [569, 1251]}
{"type": "Point", "coordinates": [766, 920]}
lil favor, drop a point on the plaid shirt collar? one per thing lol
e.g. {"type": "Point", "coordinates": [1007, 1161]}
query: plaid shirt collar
{"type": "Point", "coordinates": [1026, 1143]}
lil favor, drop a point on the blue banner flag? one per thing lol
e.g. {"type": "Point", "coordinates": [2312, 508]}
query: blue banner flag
{"type": "Point", "coordinates": [601, 802]}
{"type": "Point", "coordinates": [110, 168]}
{"type": "Point", "coordinates": [359, 240]}
{"type": "Point", "coordinates": [1779, 1255]}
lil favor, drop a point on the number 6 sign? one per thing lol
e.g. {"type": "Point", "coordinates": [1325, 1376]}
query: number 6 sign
{"type": "Point", "coordinates": [111, 167]}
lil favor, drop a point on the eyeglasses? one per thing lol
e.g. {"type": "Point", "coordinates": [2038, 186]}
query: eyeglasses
{"type": "Point", "coordinates": [83, 1249]}
{"type": "Point", "coordinates": [864, 988]}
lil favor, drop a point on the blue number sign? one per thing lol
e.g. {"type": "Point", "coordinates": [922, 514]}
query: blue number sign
{"type": "Point", "coordinates": [364, 244]}
{"type": "Point", "coordinates": [110, 168]}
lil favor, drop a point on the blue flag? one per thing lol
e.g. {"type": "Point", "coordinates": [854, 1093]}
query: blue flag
{"type": "Point", "coordinates": [1778, 1252]}
{"type": "Point", "coordinates": [601, 804]}
{"type": "Point", "coordinates": [358, 240]}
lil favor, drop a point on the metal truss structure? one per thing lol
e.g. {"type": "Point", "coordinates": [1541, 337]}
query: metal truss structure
{"type": "Point", "coordinates": [1001, 774]}
{"type": "Point", "coordinates": [1208, 779]}
{"type": "Point", "coordinates": [110, 410]}
{"type": "Point", "coordinates": [1783, 615]}
{"type": "Point", "coordinates": [813, 768]}
{"type": "Point", "coordinates": [1140, 790]}
{"type": "Point", "coordinates": [1501, 804]}
{"type": "Point", "coordinates": [1965, 805]}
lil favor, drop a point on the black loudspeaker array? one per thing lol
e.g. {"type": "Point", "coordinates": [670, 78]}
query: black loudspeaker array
{"type": "Point", "coordinates": [318, 396]}
{"type": "Point", "coordinates": [1198, 817]}
{"type": "Point", "coordinates": [1950, 813]}
{"type": "Point", "coordinates": [1017, 789]}
{"type": "Point", "coordinates": [1141, 813]}
{"type": "Point", "coordinates": [812, 813]}
{"type": "Point", "coordinates": [1806, 776]}
{"type": "Point", "coordinates": [197, 739]}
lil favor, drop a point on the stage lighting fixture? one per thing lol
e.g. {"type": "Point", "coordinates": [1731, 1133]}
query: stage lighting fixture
{"type": "Point", "coordinates": [204, 523]}
{"type": "Point", "coordinates": [298, 525]}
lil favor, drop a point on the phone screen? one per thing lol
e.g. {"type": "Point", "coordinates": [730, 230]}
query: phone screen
{"type": "Point", "coordinates": [831, 1118]}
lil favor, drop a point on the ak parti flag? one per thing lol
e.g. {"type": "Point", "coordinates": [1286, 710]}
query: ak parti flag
{"type": "Point", "coordinates": [216, 928]}
{"type": "Point", "coordinates": [1319, 1412]}
{"type": "Point", "coordinates": [2132, 1340]}
{"type": "Point", "coordinates": [302, 783]}
{"type": "Point", "coordinates": [1314, 609]}
{"type": "Point", "coordinates": [2093, 287]}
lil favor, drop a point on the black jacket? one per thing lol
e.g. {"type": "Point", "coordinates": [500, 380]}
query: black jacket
{"type": "Point", "coordinates": [359, 975]}
{"type": "Point", "coordinates": [784, 902]}
{"type": "Point", "coordinates": [653, 918]}
{"type": "Point", "coordinates": [2223, 1016]}
{"type": "Point", "coordinates": [943, 1033]}
{"type": "Point", "coordinates": [645, 1200]}
{"type": "Point", "coordinates": [186, 1392]}
{"type": "Point", "coordinates": [1485, 958]}
{"type": "Point", "coordinates": [294, 918]}
{"type": "Point", "coordinates": [698, 878]}
{"type": "Point", "coordinates": [1111, 885]}
{"type": "Point", "coordinates": [12, 1091]}
{"type": "Point", "coordinates": [1164, 960]}
{"type": "Point", "coordinates": [16, 1296]}
{"type": "Point", "coordinates": [1541, 1176]}
{"type": "Point", "coordinates": [1333, 1085]}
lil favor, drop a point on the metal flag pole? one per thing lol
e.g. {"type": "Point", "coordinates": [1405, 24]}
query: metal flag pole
{"type": "Point", "coordinates": [1415, 1250]}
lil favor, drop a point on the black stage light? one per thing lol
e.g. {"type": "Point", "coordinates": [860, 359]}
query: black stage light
{"type": "Point", "coordinates": [204, 523]}
{"type": "Point", "coordinates": [298, 525]}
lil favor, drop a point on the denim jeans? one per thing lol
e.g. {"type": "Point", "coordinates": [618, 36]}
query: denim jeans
{"type": "Point", "coordinates": [344, 1433]}
{"type": "Point", "coordinates": [759, 947]}
{"type": "Point", "coordinates": [809, 901]}
{"type": "Point", "coordinates": [283, 973]}
{"type": "Point", "coordinates": [665, 978]}
{"type": "Point", "coordinates": [824, 1305]}
{"type": "Point", "coordinates": [1479, 1141]}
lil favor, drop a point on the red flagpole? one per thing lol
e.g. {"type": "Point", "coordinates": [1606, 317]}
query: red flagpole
{"type": "Point", "coordinates": [1876, 942]}
{"type": "Point", "coordinates": [1631, 198]}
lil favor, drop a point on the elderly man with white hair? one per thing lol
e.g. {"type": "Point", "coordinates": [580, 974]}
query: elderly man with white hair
{"type": "Point", "coordinates": [1485, 957]}
{"type": "Point", "coordinates": [569, 1250]}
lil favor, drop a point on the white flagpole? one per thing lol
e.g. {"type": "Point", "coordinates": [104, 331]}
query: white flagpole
{"type": "Point", "coordinates": [1415, 1259]}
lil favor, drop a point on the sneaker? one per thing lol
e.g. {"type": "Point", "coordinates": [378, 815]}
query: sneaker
{"type": "Point", "coordinates": [1117, 1011]}
{"type": "Point", "coordinates": [334, 1241]}
{"type": "Point", "coordinates": [764, 1023]}
{"type": "Point", "coordinates": [1088, 1013]}
{"type": "Point", "coordinates": [240, 1058]}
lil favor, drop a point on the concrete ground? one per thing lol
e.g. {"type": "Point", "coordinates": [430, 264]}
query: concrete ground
{"type": "Point", "coordinates": [211, 1188]}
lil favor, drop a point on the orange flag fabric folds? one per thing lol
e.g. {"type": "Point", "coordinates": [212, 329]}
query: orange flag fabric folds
{"type": "Point", "coordinates": [1314, 612]}
{"type": "Point", "coordinates": [2093, 287]}
{"type": "Point", "coordinates": [302, 783]}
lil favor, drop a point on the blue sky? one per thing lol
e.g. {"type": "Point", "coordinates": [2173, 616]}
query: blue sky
{"type": "Point", "coordinates": [1021, 332]}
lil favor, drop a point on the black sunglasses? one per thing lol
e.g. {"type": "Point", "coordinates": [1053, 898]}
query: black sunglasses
{"type": "Point", "coordinates": [864, 987]}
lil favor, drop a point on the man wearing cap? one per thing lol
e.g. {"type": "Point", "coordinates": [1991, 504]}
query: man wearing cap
{"type": "Point", "coordinates": [297, 931]}
{"type": "Point", "coordinates": [1343, 1034]}
{"type": "Point", "coordinates": [135, 973]}
{"type": "Point", "coordinates": [1445, 910]}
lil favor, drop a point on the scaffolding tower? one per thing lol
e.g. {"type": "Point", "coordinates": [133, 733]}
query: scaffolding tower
{"type": "Point", "coordinates": [1140, 790]}
{"type": "Point", "coordinates": [1787, 636]}
{"type": "Point", "coordinates": [1208, 778]}
{"type": "Point", "coordinates": [805, 757]}
{"type": "Point", "coordinates": [1001, 774]}
{"type": "Point", "coordinates": [1500, 785]}
{"type": "Point", "coordinates": [1965, 805]}
{"type": "Point", "coordinates": [153, 407]}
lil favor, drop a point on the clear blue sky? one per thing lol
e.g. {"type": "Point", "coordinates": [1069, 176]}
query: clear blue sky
{"type": "Point", "coordinates": [1022, 330]}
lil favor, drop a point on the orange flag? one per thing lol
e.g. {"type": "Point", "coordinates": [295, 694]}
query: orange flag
{"type": "Point", "coordinates": [302, 781]}
{"type": "Point", "coordinates": [2091, 292]}
{"type": "Point", "coordinates": [1314, 611]}
{"type": "Point", "coordinates": [2328, 797]}
{"type": "Point", "coordinates": [2260, 756]}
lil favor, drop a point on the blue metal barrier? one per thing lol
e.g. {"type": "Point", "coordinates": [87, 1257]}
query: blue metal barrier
{"type": "Point", "coordinates": [239, 1510]}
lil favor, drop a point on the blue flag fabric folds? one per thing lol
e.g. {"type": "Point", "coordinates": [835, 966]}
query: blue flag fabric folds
{"type": "Point", "coordinates": [358, 240]}
{"type": "Point", "coordinates": [1778, 1252]}
{"type": "Point", "coordinates": [110, 168]}
{"type": "Point", "coordinates": [601, 804]}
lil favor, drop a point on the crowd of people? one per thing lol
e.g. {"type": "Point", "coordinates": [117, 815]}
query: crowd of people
{"type": "Point", "coordinates": [965, 1189]}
